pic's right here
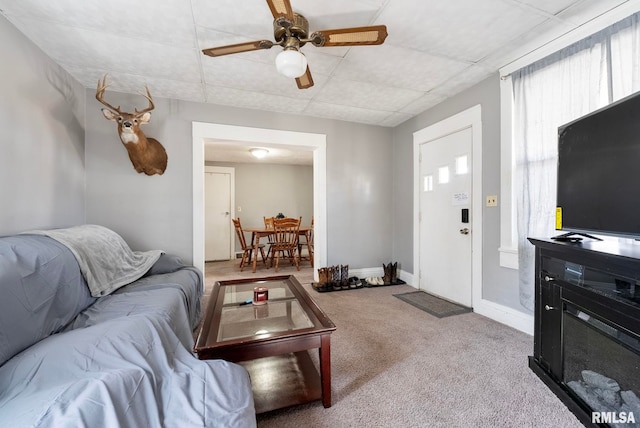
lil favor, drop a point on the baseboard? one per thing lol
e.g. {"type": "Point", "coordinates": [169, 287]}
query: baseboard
{"type": "Point", "coordinates": [505, 315]}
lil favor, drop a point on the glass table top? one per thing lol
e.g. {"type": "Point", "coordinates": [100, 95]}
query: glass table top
{"type": "Point", "coordinates": [281, 313]}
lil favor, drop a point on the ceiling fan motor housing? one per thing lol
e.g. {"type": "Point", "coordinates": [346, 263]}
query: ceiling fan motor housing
{"type": "Point", "coordinates": [298, 28]}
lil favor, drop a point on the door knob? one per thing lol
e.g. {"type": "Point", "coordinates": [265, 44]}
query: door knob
{"type": "Point", "coordinates": [464, 231]}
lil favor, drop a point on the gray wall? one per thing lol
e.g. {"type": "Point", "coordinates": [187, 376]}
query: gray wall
{"type": "Point", "coordinates": [157, 211]}
{"type": "Point", "coordinates": [264, 190]}
{"type": "Point", "coordinates": [41, 139]}
{"type": "Point", "coordinates": [500, 284]}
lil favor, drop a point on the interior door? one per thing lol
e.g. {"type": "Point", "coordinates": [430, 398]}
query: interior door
{"type": "Point", "coordinates": [445, 216]}
{"type": "Point", "coordinates": [217, 214]}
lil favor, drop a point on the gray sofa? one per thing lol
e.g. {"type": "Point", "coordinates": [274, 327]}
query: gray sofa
{"type": "Point", "coordinates": [124, 359]}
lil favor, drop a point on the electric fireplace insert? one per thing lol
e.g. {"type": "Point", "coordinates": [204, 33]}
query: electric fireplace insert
{"type": "Point", "coordinates": [587, 328]}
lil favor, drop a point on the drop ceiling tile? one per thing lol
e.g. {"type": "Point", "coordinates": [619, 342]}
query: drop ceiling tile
{"type": "Point", "coordinates": [254, 100]}
{"type": "Point", "coordinates": [466, 30]}
{"type": "Point", "coordinates": [78, 48]}
{"type": "Point", "coordinates": [395, 119]}
{"type": "Point", "coordinates": [132, 84]}
{"type": "Point", "coordinates": [397, 66]}
{"type": "Point", "coordinates": [586, 10]}
{"type": "Point", "coordinates": [526, 43]}
{"type": "Point", "coordinates": [331, 14]}
{"type": "Point", "coordinates": [423, 103]}
{"type": "Point", "coordinates": [233, 72]}
{"type": "Point", "coordinates": [346, 113]}
{"type": "Point", "coordinates": [168, 22]}
{"type": "Point", "coordinates": [366, 95]}
{"type": "Point", "coordinates": [552, 7]}
{"type": "Point", "coordinates": [458, 83]}
{"type": "Point", "coordinates": [250, 19]}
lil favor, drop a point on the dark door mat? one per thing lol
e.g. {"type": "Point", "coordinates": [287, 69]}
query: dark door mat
{"type": "Point", "coordinates": [433, 305]}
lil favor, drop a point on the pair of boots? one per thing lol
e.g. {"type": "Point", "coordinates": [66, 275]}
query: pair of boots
{"type": "Point", "coordinates": [390, 273]}
{"type": "Point", "coordinates": [336, 277]}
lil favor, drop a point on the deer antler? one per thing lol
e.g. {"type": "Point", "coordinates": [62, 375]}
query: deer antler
{"type": "Point", "coordinates": [147, 96]}
{"type": "Point", "coordinates": [102, 86]}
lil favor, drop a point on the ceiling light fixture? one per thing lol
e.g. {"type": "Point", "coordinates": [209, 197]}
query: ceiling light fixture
{"type": "Point", "coordinates": [291, 63]}
{"type": "Point", "coordinates": [259, 153]}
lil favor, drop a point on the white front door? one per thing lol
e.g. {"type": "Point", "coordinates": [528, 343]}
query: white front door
{"type": "Point", "coordinates": [445, 216]}
{"type": "Point", "coordinates": [217, 214]}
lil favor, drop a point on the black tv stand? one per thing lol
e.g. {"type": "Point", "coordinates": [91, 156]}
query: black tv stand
{"type": "Point", "coordinates": [574, 237]}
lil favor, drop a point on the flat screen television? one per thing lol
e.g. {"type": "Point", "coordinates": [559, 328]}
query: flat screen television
{"type": "Point", "coordinates": [599, 172]}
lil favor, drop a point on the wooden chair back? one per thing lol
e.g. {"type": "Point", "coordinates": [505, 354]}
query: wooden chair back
{"type": "Point", "coordinates": [268, 222]}
{"type": "Point", "coordinates": [286, 232]}
{"type": "Point", "coordinates": [239, 232]}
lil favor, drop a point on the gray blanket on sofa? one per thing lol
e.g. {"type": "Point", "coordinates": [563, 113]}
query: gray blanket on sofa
{"type": "Point", "coordinates": [106, 261]}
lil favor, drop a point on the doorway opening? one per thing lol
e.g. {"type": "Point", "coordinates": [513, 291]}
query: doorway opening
{"type": "Point", "coordinates": [268, 137]}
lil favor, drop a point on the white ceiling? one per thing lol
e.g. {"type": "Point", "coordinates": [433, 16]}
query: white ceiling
{"type": "Point", "coordinates": [434, 50]}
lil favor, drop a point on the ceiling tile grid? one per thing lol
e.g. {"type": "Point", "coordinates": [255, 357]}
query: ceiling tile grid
{"type": "Point", "coordinates": [346, 113]}
{"type": "Point", "coordinates": [434, 49]}
{"type": "Point", "coordinates": [254, 100]}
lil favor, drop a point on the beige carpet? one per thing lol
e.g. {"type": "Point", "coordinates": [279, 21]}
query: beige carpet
{"type": "Point", "coordinates": [394, 365]}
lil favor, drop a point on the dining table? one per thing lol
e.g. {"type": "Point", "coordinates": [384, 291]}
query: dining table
{"type": "Point", "coordinates": [261, 232]}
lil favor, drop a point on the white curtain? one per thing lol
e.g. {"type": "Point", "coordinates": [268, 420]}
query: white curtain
{"type": "Point", "coordinates": [551, 92]}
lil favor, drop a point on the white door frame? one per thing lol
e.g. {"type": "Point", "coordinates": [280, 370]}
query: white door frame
{"type": "Point", "coordinates": [472, 118]}
{"type": "Point", "coordinates": [232, 210]}
{"type": "Point", "coordinates": [269, 137]}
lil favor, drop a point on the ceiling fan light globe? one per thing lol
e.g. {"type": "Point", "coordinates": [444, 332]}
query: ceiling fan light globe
{"type": "Point", "coordinates": [291, 63]}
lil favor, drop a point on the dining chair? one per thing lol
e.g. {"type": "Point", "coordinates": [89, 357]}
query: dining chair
{"type": "Point", "coordinates": [285, 240]}
{"type": "Point", "coordinates": [306, 242]}
{"type": "Point", "coordinates": [246, 249]}
{"type": "Point", "coordinates": [268, 224]}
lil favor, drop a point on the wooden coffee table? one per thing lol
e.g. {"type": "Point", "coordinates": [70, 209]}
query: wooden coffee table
{"type": "Point", "coordinates": [271, 341]}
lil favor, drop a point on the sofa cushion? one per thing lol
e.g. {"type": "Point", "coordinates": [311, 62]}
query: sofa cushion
{"type": "Point", "coordinates": [41, 291]}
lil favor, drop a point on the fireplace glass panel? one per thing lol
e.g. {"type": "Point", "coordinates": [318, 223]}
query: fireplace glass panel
{"type": "Point", "coordinates": [601, 363]}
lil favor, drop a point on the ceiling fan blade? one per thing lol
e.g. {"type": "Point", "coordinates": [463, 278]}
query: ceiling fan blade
{"type": "Point", "coordinates": [240, 47]}
{"type": "Point", "coordinates": [305, 81]}
{"type": "Point", "coordinates": [373, 35]}
{"type": "Point", "coordinates": [281, 8]}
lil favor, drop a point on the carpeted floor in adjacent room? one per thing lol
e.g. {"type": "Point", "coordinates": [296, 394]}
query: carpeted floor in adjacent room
{"type": "Point", "coordinates": [394, 365]}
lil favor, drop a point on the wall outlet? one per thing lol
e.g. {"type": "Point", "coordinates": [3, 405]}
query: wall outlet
{"type": "Point", "coordinates": [492, 201]}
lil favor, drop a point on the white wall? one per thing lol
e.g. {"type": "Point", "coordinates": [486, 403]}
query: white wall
{"type": "Point", "coordinates": [41, 139]}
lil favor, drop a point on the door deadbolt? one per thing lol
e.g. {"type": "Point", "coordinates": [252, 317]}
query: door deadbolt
{"type": "Point", "coordinates": [464, 231]}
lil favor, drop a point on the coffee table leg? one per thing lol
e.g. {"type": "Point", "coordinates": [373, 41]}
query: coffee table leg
{"type": "Point", "coordinates": [325, 369]}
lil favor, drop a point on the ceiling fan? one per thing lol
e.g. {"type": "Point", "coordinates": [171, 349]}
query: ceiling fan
{"type": "Point", "coordinates": [291, 31]}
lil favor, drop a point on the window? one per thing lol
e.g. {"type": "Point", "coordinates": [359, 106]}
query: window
{"type": "Point", "coordinates": [546, 94]}
{"type": "Point", "coordinates": [428, 183]}
{"type": "Point", "coordinates": [462, 165]}
{"type": "Point", "coordinates": [618, 78]}
{"type": "Point", "coordinates": [443, 175]}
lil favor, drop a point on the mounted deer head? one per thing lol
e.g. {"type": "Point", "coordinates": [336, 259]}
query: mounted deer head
{"type": "Point", "coordinates": [147, 154]}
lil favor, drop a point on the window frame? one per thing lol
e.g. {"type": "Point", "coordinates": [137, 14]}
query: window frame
{"type": "Point", "coordinates": [508, 249]}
